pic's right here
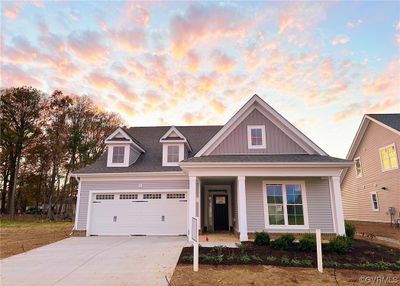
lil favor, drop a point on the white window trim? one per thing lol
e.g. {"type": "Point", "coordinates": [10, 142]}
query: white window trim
{"type": "Point", "coordinates": [263, 139]}
{"type": "Point", "coordinates": [165, 154]}
{"type": "Point", "coordinates": [355, 167]}
{"type": "Point", "coordinates": [304, 201]}
{"type": "Point", "coordinates": [380, 158]}
{"type": "Point", "coordinates": [372, 201]}
{"type": "Point", "coordinates": [110, 156]}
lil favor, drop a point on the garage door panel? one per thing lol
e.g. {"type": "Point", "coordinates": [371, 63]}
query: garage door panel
{"type": "Point", "coordinates": [153, 216]}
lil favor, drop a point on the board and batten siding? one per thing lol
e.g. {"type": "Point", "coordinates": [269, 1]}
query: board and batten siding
{"type": "Point", "coordinates": [277, 142]}
{"type": "Point", "coordinates": [123, 185]}
{"type": "Point", "coordinates": [318, 203]}
{"type": "Point", "coordinates": [356, 192]}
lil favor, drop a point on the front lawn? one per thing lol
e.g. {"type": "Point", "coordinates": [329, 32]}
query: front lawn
{"type": "Point", "coordinates": [20, 236]}
{"type": "Point", "coordinates": [363, 255]}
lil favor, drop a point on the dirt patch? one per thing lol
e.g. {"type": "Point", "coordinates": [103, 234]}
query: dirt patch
{"type": "Point", "coordinates": [377, 229]}
{"type": "Point", "coordinates": [270, 275]}
{"type": "Point", "coordinates": [18, 237]}
{"type": "Point", "coordinates": [364, 255]}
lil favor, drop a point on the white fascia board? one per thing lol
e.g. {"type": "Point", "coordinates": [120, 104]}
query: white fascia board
{"type": "Point", "coordinates": [266, 164]}
{"type": "Point", "coordinates": [266, 171]}
{"type": "Point", "coordinates": [240, 115]}
{"type": "Point", "coordinates": [133, 175]}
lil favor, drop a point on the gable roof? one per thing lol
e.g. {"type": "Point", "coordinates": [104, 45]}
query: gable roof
{"type": "Point", "coordinates": [151, 161]}
{"type": "Point", "coordinates": [178, 137]}
{"type": "Point", "coordinates": [391, 120]}
{"type": "Point", "coordinates": [127, 138]}
{"type": "Point", "coordinates": [388, 121]}
{"type": "Point", "coordinates": [257, 103]}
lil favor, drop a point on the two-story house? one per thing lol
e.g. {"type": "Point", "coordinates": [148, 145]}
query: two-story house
{"type": "Point", "coordinates": [371, 187]}
{"type": "Point", "coordinates": [257, 172]}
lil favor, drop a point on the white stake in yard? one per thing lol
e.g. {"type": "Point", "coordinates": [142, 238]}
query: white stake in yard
{"type": "Point", "coordinates": [195, 238]}
{"type": "Point", "coordinates": [319, 249]}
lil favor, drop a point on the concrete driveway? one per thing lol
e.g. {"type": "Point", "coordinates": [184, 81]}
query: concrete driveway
{"type": "Point", "coordinates": [96, 261]}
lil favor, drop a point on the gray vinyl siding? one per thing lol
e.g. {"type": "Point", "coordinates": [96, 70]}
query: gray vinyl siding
{"type": "Point", "coordinates": [133, 155]}
{"type": "Point", "coordinates": [277, 142]}
{"type": "Point", "coordinates": [123, 185]}
{"type": "Point", "coordinates": [318, 202]}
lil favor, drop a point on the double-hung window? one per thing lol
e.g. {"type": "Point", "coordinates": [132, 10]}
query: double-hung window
{"type": "Point", "coordinates": [118, 155]}
{"type": "Point", "coordinates": [256, 137]}
{"type": "Point", "coordinates": [285, 205]}
{"type": "Point", "coordinates": [374, 201]}
{"type": "Point", "coordinates": [388, 158]}
{"type": "Point", "coordinates": [357, 165]}
{"type": "Point", "coordinates": [173, 154]}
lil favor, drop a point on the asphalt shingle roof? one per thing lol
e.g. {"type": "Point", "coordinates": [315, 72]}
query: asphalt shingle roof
{"type": "Point", "coordinates": [389, 119]}
{"type": "Point", "coordinates": [149, 139]}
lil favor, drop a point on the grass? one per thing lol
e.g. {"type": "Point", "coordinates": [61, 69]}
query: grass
{"type": "Point", "coordinates": [21, 236]}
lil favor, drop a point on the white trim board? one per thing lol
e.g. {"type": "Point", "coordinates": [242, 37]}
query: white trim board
{"type": "Point", "coordinates": [256, 102]}
{"type": "Point", "coordinates": [126, 136]}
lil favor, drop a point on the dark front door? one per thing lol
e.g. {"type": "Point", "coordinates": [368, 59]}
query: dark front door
{"type": "Point", "coordinates": [221, 217]}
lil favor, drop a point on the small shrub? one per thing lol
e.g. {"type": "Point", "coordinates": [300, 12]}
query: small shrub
{"type": "Point", "coordinates": [339, 244]}
{"type": "Point", "coordinates": [231, 258]}
{"type": "Point", "coordinates": [256, 258]}
{"type": "Point", "coordinates": [271, 258]}
{"type": "Point", "coordinates": [289, 238]}
{"type": "Point", "coordinates": [262, 239]}
{"type": "Point", "coordinates": [211, 258]}
{"type": "Point", "coordinates": [279, 243]}
{"type": "Point", "coordinates": [285, 260]}
{"type": "Point", "coordinates": [350, 229]}
{"type": "Point", "coordinates": [307, 262]}
{"type": "Point", "coordinates": [188, 258]}
{"type": "Point", "coordinates": [243, 247]}
{"type": "Point", "coordinates": [245, 259]}
{"type": "Point", "coordinates": [308, 243]}
{"type": "Point", "coordinates": [296, 262]}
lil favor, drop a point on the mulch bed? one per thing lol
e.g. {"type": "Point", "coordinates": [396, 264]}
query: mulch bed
{"type": "Point", "coordinates": [364, 255]}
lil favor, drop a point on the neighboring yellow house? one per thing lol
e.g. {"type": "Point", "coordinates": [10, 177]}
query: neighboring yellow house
{"type": "Point", "coordinates": [371, 187]}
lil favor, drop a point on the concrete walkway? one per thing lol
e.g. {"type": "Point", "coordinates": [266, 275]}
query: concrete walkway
{"type": "Point", "coordinates": [95, 261]}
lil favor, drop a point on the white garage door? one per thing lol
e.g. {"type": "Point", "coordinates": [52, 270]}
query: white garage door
{"type": "Point", "coordinates": [138, 214]}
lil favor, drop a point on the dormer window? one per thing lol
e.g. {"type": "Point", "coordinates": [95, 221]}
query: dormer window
{"type": "Point", "coordinates": [173, 154]}
{"type": "Point", "coordinates": [256, 137]}
{"type": "Point", "coordinates": [118, 154]}
{"type": "Point", "coordinates": [123, 150]}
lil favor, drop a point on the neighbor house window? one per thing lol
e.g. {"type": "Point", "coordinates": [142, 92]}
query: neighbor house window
{"type": "Point", "coordinates": [173, 154]}
{"type": "Point", "coordinates": [285, 204]}
{"type": "Point", "coordinates": [357, 164]}
{"type": "Point", "coordinates": [118, 154]}
{"type": "Point", "coordinates": [256, 136]}
{"type": "Point", "coordinates": [374, 200]}
{"type": "Point", "coordinates": [388, 157]}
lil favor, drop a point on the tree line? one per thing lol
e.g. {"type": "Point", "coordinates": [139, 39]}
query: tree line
{"type": "Point", "coordinates": [44, 138]}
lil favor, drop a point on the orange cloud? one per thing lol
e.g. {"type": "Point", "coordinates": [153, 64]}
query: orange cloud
{"type": "Point", "coordinates": [193, 61]}
{"type": "Point", "coordinates": [200, 24]}
{"type": "Point", "coordinates": [129, 40]}
{"type": "Point", "coordinates": [222, 62]}
{"type": "Point", "coordinates": [14, 76]}
{"type": "Point", "coordinates": [88, 46]}
{"type": "Point", "coordinates": [218, 106]}
{"type": "Point", "coordinates": [387, 84]}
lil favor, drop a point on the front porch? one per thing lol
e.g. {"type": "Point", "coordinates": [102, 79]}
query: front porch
{"type": "Point", "coordinates": [230, 207]}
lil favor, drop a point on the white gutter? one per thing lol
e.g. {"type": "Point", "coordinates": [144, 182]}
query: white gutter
{"type": "Point", "coordinates": [132, 174]}
{"type": "Point", "coordinates": [265, 164]}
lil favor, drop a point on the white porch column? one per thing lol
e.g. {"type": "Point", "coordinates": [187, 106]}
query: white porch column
{"type": "Point", "coordinates": [337, 204]}
{"type": "Point", "coordinates": [242, 209]}
{"type": "Point", "coordinates": [191, 204]}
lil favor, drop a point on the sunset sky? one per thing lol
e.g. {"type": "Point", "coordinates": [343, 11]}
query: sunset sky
{"type": "Point", "coordinates": [321, 65]}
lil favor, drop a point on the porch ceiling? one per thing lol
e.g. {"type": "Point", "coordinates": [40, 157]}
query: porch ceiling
{"type": "Point", "coordinates": [217, 180]}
